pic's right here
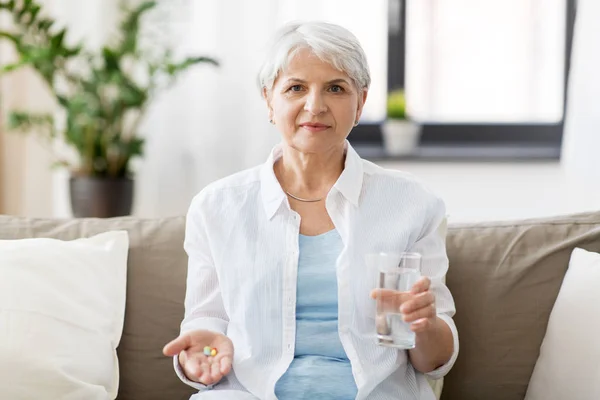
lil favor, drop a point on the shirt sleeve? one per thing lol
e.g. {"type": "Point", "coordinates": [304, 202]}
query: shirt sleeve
{"type": "Point", "coordinates": [432, 247]}
{"type": "Point", "coordinates": [203, 302]}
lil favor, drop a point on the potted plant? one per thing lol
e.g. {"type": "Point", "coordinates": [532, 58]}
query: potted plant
{"type": "Point", "coordinates": [400, 133]}
{"type": "Point", "coordinates": [103, 96]}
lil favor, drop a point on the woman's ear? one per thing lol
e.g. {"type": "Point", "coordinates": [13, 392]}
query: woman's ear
{"type": "Point", "coordinates": [266, 96]}
{"type": "Point", "coordinates": [362, 98]}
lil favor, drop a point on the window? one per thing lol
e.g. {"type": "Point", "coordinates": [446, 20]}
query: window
{"type": "Point", "coordinates": [485, 78]}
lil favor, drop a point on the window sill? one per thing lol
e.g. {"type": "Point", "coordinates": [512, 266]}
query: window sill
{"type": "Point", "coordinates": [461, 153]}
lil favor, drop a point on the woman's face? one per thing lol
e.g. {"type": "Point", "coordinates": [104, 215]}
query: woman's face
{"type": "Point", "coordinates": [313, 104]}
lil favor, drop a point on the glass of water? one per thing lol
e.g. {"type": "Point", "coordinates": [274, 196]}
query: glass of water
{"type": "Point", "coordinates": [395, 273]}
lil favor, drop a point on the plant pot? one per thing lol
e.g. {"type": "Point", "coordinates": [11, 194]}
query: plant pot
{"type": "Point", "coordinates": [401, 137]}
{"type": "Point", "coordinates": [100, 197]}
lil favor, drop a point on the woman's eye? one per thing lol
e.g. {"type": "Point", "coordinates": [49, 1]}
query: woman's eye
{"type": "Point", "coordinates": [337, 89]}
{"type": "Point", "coordinates": [296, 88]}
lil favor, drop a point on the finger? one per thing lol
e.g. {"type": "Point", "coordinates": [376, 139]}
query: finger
{"type": "Point", "coordinates": [385, 293]}
{"type": "Point", "coordinates": [427, 312]}
{"type": "Point", "coordinates": [391, 299]}
{"type": "Point", "coordinates": [183, 359]}
{"type": "Point", "coordinates": [421, 285]}
{"type": "Point", "coordinates": [192, 369]}
{"type": "Point", "coordinates": [206, 377]}
{"type": "Point", "coordinates": [421, 325]}
{"type": "Point", "coordinates": [390, 294]}
{"type": "Point", "coordinates": [225, 365]}
{"type": "Point", "coordinates": [215, 370]}
{"type": "Point", "coordinates": [175, 346]}
{"type": "Point", "coordinates": [422, 300]}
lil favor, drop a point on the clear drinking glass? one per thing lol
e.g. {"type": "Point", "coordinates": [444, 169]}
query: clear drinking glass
{"type": "Point", "coordinates": [397, 272]}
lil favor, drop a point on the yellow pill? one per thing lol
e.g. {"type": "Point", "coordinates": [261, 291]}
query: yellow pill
{"type": "Point", "coordinates": [213, 352]}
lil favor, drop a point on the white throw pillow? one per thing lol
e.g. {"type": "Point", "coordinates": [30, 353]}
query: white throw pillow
{"type": "Point", "coordinates": [568, 366]}
{"type": "Point", "coordinates": [62, 306]}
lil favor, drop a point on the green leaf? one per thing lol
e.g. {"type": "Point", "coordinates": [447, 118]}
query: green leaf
{"type": "Point", "coordinates": [9, 5]}
{"type": "Point", "coordinates": [173, 69]}
{"type": "Point", "coordinates": [130, 26]}
{"type": "Point", "coordinates": [133, 147]}
{"type": "Point", "coordinates": [14, 66]}
{"type": "Point", "coordinates": [23, 121]}
{"type": "Point", "coordinates": [13, 38]}
{"type": "Point", "coordinates": [21, 13]}
{"type": "Point", "coordinates": [396, 105]}
{"type": "Point", "coordinates": [60, 164]}
{"type": "Point", "coordinates": [133, 19]}
{"type": "Point", "coordinates": [33, 14]}
{"type": "Point", "coordinates": [45, 24]}
{"type": "Point", "coordinates": [71, 52]}
{"type": "Point", "coordinates": [111, 59]}
{"type": "Point", "coordinates": [62, 100]}
{"type": "Point", "coordinates": [56, 41]}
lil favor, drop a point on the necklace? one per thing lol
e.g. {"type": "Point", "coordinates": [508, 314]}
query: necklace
{"type": "Point", "coordinates": [301, 199]}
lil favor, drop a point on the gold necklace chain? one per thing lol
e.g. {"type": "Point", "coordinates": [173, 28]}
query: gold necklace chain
{"type": "Point", "coordinates": [303, 200]}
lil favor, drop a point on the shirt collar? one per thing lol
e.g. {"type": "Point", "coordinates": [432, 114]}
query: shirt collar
{"type": "Point", "coordinates": [271, 192]}
{"type": "Point", "coordinates": [349, 184]}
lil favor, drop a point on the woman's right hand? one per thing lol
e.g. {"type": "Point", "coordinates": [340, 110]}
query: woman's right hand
{"type": "Point", "coordinates": [198, 367]}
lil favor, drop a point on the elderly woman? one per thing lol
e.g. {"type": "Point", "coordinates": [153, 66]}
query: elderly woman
{"type": "Point", "coordinates": [277, 281]}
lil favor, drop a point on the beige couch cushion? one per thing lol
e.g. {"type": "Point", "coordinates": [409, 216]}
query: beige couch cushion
{"type": "Point", "coordinates": [505, 278]}
{"type": "Point", "coordinates": [155, 291]}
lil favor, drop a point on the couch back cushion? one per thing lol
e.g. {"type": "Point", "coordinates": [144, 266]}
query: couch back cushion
{"type": "Point", "coordinates": [157, 267]}
{"type": "Point", "coordinates": [505, 278]}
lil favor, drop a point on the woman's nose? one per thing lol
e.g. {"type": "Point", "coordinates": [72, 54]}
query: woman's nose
{"type": "Point", "coordinates": [315, 104]}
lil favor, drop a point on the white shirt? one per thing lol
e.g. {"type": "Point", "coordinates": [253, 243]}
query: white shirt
{"type": "Point", "coordinates": [242, 243]}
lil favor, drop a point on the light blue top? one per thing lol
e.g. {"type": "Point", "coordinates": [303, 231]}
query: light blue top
{"type": "Point", "coordinates": [320, 369]}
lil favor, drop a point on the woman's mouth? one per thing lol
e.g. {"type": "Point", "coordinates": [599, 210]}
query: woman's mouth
{"type": "Point", "coordinates": [314, 127]}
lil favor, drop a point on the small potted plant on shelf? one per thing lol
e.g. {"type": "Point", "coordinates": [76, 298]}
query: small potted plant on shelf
{"type": "Point", "coordinates": [400, 133]}
{"type": "Point", "coordinates": [103, 96]}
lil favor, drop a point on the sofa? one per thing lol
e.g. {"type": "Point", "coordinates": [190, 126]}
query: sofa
{"type": "Point", "coordinates": [505, 277]}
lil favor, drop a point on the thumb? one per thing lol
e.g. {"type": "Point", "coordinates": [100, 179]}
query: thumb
{"type": "Point", "coordinates": [175, 346]}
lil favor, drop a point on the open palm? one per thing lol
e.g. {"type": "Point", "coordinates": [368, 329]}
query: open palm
{"type": "Point", "coordinates": [196, 365]}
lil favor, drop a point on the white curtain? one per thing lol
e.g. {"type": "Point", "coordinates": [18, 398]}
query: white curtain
{"type": "Point", "coordinates": [581, 150]}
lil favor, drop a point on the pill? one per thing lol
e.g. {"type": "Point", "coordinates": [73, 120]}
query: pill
{"type": "Point", "coordinates": [207, 351]}
{"type": "Point", "coordinates": [213, 352]}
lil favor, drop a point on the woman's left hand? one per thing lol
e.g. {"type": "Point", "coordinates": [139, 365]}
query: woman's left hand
{"type": "Point", "coordinates": [417, 306]}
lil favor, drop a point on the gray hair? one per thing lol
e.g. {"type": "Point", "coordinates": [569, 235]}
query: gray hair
{"type": "Point", "coordinates": [331, 43]}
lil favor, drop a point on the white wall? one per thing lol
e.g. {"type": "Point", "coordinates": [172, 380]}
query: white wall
{"type": "Point", "coordinates": [503, 191]}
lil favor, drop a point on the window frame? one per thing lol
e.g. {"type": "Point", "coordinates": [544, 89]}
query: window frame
{"type": "Point", "coordinates": [466, 140]}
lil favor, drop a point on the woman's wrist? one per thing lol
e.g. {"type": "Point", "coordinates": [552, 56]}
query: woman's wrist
{"type": "Point", "coordinates": [434, 347]}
